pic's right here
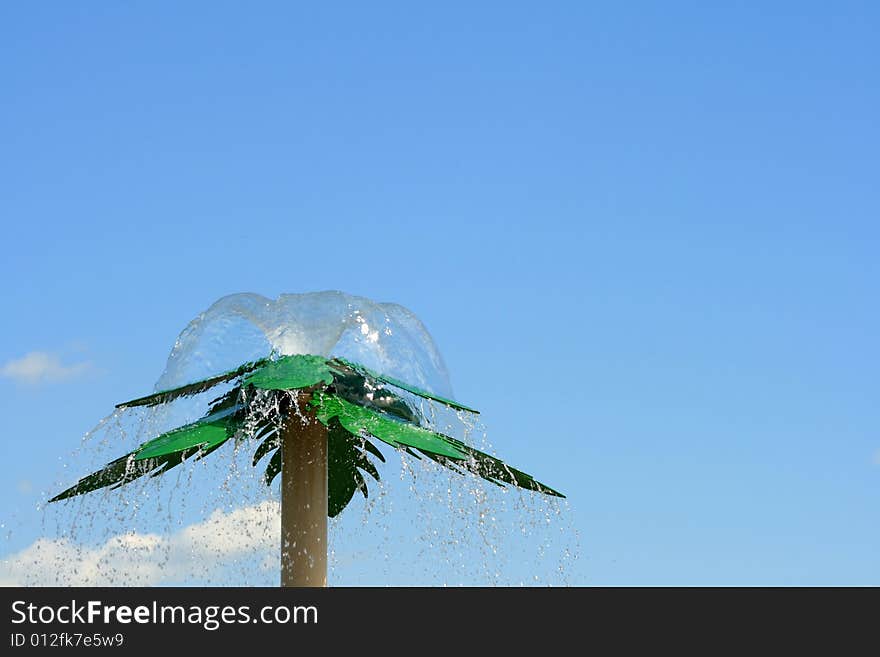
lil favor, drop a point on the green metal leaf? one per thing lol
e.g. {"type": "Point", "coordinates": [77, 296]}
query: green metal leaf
{"type": "Point", "coordinates": [291, 372]}
{"type": "Point", "coordinates": [110, 474]}
{"type": "Point", "coordinates": [173, 460]}
{"type": "Point", "coordinates": [372, 449]}
{"type": "Point", "coordinates": [272, 442]}
{"type": "Point", "coordinates": [366, 465]}
{"type": "Point", "coordinates": [196, 435]}
{"type": "Point", "coordinates": [342, 478]}
{"type": "Point", "coordinates": [363, 391]}
{"type": "Point", "coordinates": [273, 468]}
{"type": "Point", "coordinates": [157, 456]}
{"type": "Point", "coordinates": [191, 388]}
{"type": "Point", "coordinates": [126, 469]}
{"type": "Point", "coordinates": [338, 361]}
{"type": "Point", "coordinates": [211, 430]}
{"type": "Point", "coordinates": [445, 462]}
{"type": "Point", "coordinates": [357, 419]}
{"type": "Point", "coordinates": [344, 457]}
{"type": "Point", "coordinates": [494, 469]}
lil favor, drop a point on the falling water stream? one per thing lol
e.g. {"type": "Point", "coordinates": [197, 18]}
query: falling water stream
{"type": "Point", "coordinates": [214, 522]}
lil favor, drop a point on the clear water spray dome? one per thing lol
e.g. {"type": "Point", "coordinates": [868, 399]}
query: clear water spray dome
{"type": "Point", "coordinates": [238, 328]}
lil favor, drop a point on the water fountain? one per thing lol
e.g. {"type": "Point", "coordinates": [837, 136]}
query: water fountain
{"type": "Point", "coordinates": [314, 381]}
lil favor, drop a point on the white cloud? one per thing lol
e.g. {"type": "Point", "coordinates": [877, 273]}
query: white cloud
{"type": "Point", "coordinates": [199, 551]}
{"type": "Point", "coordinates": [42, 367]}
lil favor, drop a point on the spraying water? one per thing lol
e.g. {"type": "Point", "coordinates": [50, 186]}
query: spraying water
{"type": "Point", "coordinates": [238, 328]}
{"type": "Point", "coordinates": [213, 522]}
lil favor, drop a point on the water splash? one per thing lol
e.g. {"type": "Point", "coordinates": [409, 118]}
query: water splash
{"type": "Point", "coordinates": [213, 521]}
{"type": "Point", "coordinates": [244, 327]}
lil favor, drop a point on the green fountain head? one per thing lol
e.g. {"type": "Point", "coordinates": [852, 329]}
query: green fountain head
{"type": "Point", "coordinates": [356, 404]}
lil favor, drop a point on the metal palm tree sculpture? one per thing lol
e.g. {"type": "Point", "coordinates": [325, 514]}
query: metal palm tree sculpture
{"type": "Point", "coordinates": [319, 428]}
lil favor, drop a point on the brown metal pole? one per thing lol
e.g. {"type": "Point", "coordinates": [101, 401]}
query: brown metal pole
{"type": "Point", "coordinates": [303, 502]}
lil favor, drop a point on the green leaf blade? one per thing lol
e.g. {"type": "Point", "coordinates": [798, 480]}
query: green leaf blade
{"type": "Point", "coordinates": [403, 385]}
{"type": "Point", "coordinates": [206, 433]}
{"type": "Point", "coordinates": [290, 373]}
{"type": "Point", "coordinates": [194, 388]}
{"type": "Point", "coordinates": [357, 419]}
{"type": "Point", "coordinates": [494, 469]}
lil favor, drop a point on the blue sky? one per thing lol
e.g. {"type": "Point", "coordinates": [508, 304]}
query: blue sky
{"type": "Point", "coordinates": [644, 238]}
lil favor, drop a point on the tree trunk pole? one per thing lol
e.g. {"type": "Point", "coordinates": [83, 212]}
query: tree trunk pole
{"type": "Point", "coordinates": [303, 501]}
